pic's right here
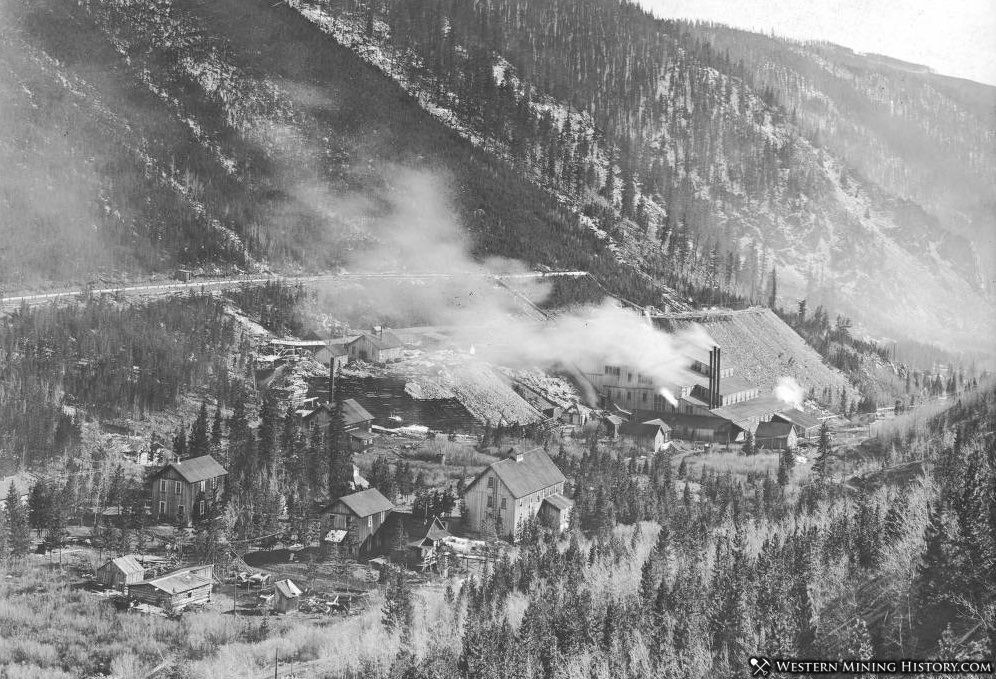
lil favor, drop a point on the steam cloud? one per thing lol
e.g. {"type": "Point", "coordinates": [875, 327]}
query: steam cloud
{"type": "Point", "coordinates": [789, 391]}
{"type": "Point", "coordinates": [420, 234]}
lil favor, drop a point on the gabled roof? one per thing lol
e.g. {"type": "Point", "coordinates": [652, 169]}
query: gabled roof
{"type": "Point", "coordinates": [534, 472]}
{"type": "Point", "coordinates": [366, 503]}
{"type": "Point", "coordinates": [644, 429]}
{"type": "Point", "coordinates": [126, 564]}
{"type": "Point", "coordinates": [385, 340]}
{"type": "Point", "coordinates": [178, 581]}
{"type": "Point", "coordinates": [354, 413]}
{"type": "Point", "coordinates": [679, 420]}
{"type": "Point", "coordinates": [559, 501]}
{"type": "Point", "coordinates": [768, 430]}
{"type": "Point", "coordinates": [196, 468]}
{"type": "Point", "coordinates": [615, 419]}
{"type": "Point", "coordinates": [287, 589]}
{"type": "Point", "coordinates": [799, 418]}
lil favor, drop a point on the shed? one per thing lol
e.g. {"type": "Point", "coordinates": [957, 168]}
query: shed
{"type": "Point", "coordinates": [776, 435]}
{"type": "Point", "coordinates": [176, 590]}
{"type": "Point", "coordinates": [121, 572]}
{"type": "Point", "coordinates": [652, 434]}
{"type": "Point", "coordinates": [287, 596]}
{"type": "Point", "coordinates": [556, 511]}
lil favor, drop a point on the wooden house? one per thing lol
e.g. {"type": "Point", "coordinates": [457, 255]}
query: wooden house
{"type": "Point", "coordinates": [333, 356]}
{"type": "Point", "coordinates": [286, 596]}
{"type": "Point", "coordinates": [378, 346]}
{"type": "Point", "coordinates": [652, 435]}
{"type": "Point", "coordinates": [361, 515]}
{"type": "Point", "coordinates": [708, 428]}
{"type": "Point", "coordinates": [511, 491]}
{"type": "Point", "coordinates": [776, 435]}
{"type": "Point", "coordinates": [576, 414]}
{"type": "Point", "coordinates": [186, 490]}
{"type": "Point", "coordinates": [357, 420]}
{"type": "Point", "coordinates": [807, 426]}
{"type": "Point", "coordinates": [176, 590]}
{"type": "Point", "coordinates": [420, 537]}
{"type": "Point", "coordinates": [121, 572]}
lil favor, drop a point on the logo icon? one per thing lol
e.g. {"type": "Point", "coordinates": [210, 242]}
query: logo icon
{"type": "Point", "coordinates": [760, 667]}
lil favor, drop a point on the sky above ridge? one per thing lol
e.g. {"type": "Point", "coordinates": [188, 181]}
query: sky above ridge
{"type": "Point", "coordinates": [953, 37]}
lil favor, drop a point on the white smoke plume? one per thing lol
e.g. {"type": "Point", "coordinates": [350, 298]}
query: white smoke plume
{"type": "Point", "coordinates": [789, 391]}
{"type": "Point", "coordinates": [420, 234]}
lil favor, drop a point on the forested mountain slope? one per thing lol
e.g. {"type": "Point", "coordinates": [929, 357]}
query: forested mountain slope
{"type": "Point", "coordinates": [696, 168]}
{"type": "Point", "coordinates": [925, 137]}
{"type": "Point", "coordinates": [233, 135]}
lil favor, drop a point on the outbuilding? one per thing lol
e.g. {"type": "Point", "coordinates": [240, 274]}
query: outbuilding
{"type": "Point", "coordinates": [121, 572]}
{"type": "Point", "coordinates": [286, 596]}
{"type": "Point", "coordinates": [776, 435]}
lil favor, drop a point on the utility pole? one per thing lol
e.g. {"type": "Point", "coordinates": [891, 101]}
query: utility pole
{"type": "Point", "coordinates": [276, 663]}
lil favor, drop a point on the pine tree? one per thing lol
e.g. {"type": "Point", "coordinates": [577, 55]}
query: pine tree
{"type": "Point", "coordinates": [398, 609]}
{"type": "Point", "coordinates": [824, 447]}
{"type": "Point", "coordinates": [217, 430]}
{"type": "Point", "coordinates": [39, 506]}
{"type": "Point", "coordinates": [17, 524]}
{"type": "Point", "coordinates": [749, 447]}
{"type": "Point", "coordinates": [198, 442]}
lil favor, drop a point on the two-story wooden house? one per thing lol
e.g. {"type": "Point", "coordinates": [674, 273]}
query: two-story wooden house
{"type": "Point", "coordinates": [354, 522]}
{"type": "Point", "coordinates": [185, 491]}
{"type": "Point", "coordinates": [513, 490]}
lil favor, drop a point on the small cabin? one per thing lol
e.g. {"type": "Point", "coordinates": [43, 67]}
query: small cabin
{"type": "Point", "coordinates": [121, 572]}
{"type": "Point", "coordinates": [176, 590]}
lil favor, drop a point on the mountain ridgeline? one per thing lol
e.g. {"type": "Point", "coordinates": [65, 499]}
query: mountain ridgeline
{"type": "Point", "coordinates": [719, 156]}
{"type": "Point", "coordinates": [676, 162]}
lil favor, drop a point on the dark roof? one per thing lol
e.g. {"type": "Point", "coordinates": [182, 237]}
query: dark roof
{"type": "Point", "coordinates": [559, 501]}
{"type": "Point", "coordinates": [384, 340]}
{"type": "Point", "coordinates": [644, 429]}
{"type": "Point", "coordinates": [534, 472]}
{"type": "Point", "coordinates": [354, 413]}
{"type": "Point", "coordinates": [196, 468]}
{"type": "Point", "coordinates": [366, 502]}
{"type": "Point", "coordinates": [770, 430]}
{"type": "Point", "coordinates": [680, 421]}
{"type": "Point", "coordinates": [416, 528]}
{"type": "Point", "coordinates": [126, 564]}
{"type": "Point", "coordinates": [799, 418]}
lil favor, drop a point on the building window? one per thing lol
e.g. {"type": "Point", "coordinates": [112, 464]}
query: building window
{"type": "Point", "coordinates": [162, 485]}
{"type": "Point", "coordinates": [176, 487]}
{"type": "Point", "coordinates": [162, 507]}
{"type": "Point", "coordinates": [612, 370]}
{"type": "Point", "coordinates": [370, 521]}
{"type": "Point", "coordinates": [503, 503]}
{"type": "Point", "coordinates": [200, 508]}
{"type": "Point", "coordinates": [491, 501]}
{"type": "Point", "coordinates": [179, 511]}
{"type": "Point", "coordinates": [203, 486]}
{"type": "Point", "coordinates": [491, 482]}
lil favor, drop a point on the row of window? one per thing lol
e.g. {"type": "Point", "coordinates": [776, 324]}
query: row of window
{"type": "Point", "coordinates": [177, 485]}
{"type": "Point", "coordinates": [180, 509]}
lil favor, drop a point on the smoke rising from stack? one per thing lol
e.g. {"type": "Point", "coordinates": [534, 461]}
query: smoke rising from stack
{"type": "Point", "coordinates": [789, 391]}
{"type": "Point", "coordinates": [420, 233]}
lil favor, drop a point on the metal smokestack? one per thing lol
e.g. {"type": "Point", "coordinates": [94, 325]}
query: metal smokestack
{"type": "Point", "coordinates": [712, 378]}
{"type": "Point", "coordinates": [718, 369]}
